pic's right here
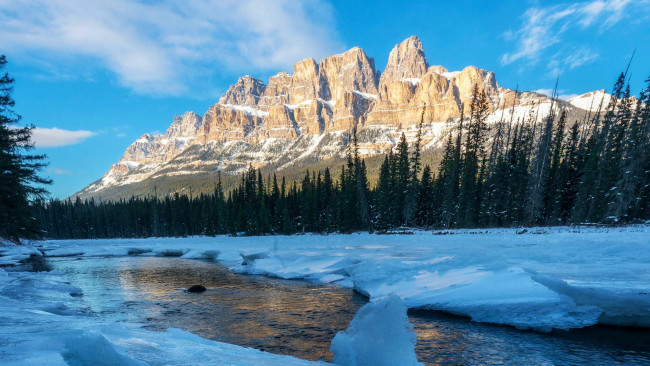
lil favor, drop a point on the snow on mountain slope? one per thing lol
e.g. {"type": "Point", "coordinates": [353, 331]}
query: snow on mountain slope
{"type": "Point", "coordinates": [592, 101]}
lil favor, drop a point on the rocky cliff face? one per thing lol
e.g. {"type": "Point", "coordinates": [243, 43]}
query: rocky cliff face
{"type": "Point", "coordinates": [306, 116]}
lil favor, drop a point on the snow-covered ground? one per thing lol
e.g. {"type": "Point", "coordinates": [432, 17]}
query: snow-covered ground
{"type": "Point", "coordinates": [539, 279]}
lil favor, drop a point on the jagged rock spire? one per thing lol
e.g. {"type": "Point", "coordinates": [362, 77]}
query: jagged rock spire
{"type": "Point", "coordinates": [245, 92]}
{"type": "Point", "coordinates": [405, 61]}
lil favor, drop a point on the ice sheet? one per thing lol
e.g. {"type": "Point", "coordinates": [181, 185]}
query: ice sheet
{"type": "Point", "coordinates": [542, 279]}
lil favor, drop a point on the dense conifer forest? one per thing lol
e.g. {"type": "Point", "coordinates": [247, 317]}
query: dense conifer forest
{"type": "Point", "coordinates": [548, 171]}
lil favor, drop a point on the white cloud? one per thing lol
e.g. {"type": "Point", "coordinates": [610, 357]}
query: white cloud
{"type": "Point", "coordinates": [580, 57]}
{"type": "Point", "coordinates": [59, 171]}
{"type": "Point", "coordinates": [537, 33]}
{"type": "Point", "coordinates": [566, 97]}
{"type": "Point", "coordinates": [547, 92]}
{"type": "Point", "coordinates": [609, 11]}
{"type": "Point", "coordinates": [560, 92]}
{"type": "Point", "coordinates": [163, 47]}
{"type": "Point", "coordinates": [560, 61]}
{"type": "Point", "coordinates": [54, 137]}
{"type": "Point", "coordinates": [544, 27]}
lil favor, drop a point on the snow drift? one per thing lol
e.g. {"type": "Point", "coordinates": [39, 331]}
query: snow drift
{"type": "Point", "coordinates": [379, 335]}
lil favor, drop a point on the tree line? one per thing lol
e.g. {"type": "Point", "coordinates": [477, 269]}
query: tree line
{"type": "Point", "coordinates": [524, 172]}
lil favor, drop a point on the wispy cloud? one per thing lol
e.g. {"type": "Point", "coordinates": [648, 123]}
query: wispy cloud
{"type": "Point", "coordinates": [567, 96]}
{"type": "Point", "coordinates": [580, 57]}
{"type": "Point", "coordinates": [610, 12]}
{"type": "Point", "coordinates": [544, 27]}
{"type": "Point", "coordinates": [561, 60]}
{"type": "Point", "coordinates": [59, 171]}
{"type": "Point", "coordinates": [537, 33]}
{"type": "Point", "coordinates": [549, 93]}
{"type": "Point", "coordinates": [162, 47]}
{"type": "Point", "coordinates": [54, 137]}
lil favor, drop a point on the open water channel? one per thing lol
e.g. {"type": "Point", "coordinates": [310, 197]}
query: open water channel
{"type": "Point", "coordinates": [301, 318]}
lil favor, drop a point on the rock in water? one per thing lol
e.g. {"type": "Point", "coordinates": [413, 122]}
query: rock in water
{"type": "Point", "coordinates": [380, 334]}
{"type": "Point", "coordinates": [196, 288]}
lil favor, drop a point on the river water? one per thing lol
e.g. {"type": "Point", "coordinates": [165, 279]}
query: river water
{"type": "Point", "coordinates": [300, 318]}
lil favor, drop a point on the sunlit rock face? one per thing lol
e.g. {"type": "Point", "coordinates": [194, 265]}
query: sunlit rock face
{"type": "Point", "coordinates": [409, 84]}
{"type": "Point", "coordinates": [406, 61]}
{"type": "Point", "coordinates": [246, 92]}
{"type": "Point", "coordinates": [307, 115]}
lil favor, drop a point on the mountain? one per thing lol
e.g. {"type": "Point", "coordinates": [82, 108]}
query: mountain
{"type": "Point", "coordinates": [302, 120]}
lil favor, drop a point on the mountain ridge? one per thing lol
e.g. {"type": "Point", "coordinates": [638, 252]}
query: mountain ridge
{"type": "Point", "coordinates": [306, 116]}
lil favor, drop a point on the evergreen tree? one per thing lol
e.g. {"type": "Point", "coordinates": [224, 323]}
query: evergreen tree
{"type": "Point", "coordinates": [401, 180]}
{"type": "Point", "coordinates": [328, 203]}
{"type": "Point", "coordinates": [412, 186]}
{"type": "Point", "coordinates": [518, 172]}
{"type": "Point", "coordinates": [568, 177]}
{"type": "Point", "coordinates": [448, 183]}
{"type": "Point", "coordinates": [425, 201]}
{"type": "Point", "coordinates": [473, 161]}
{"type": "Point", "coordinates": [384, 213]}
{"type": "Point", "coordinates": [361, 187]}
{"type": "Point", "coordinates": [540, 168]}
{"type": "Point", "coordinates": [20, 184]}
{"type": "Point", "coordinates": [553, 180]}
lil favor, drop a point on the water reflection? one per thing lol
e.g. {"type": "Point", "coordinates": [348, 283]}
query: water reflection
{"type": "Point", "coordinates": [300, 319]}
{"type": "Point", "coordinates": [285, 317]}
{"type": "Point", "coordinates": [449, 340]}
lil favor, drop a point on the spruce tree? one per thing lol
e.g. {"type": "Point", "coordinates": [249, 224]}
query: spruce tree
{"type": "Point", "coordinates": [448, 182]}
{"type": "Point", "coordinates": [425, 201]}
{"type": "Point", "coordinates": [641, 207]}
{"type": "Point", "coordinates": [473, 161]}
{"type": "Point", "coordinates": [382, 195]}
{"type": "Point", "coordinates": [361, 188]}
{"type": "Point", "coordinates": [402, 178]}
{"type": "Point", "coordinates": [412, 187]}
{"type": "Point", "coordinates": [328, 203]}
{"type": "Point", "coordinates": [568, 178]}
{"type": "Point", "coordinates": [540, 168]}
{"type": "Point", "coordinates": [552, 180]}
{"type": "Point", "coordinates": [20, 184]}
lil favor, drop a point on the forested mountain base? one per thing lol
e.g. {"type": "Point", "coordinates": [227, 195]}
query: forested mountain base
{"type": "Point", "coordinates": [558, 172]}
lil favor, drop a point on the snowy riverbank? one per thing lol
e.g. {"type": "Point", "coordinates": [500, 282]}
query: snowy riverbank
{"type": "Point", "coordinates": [44, 321]}
{"type": "Point", "coordinates": [542, 279]}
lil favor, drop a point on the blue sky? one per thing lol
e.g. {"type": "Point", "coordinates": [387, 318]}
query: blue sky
{"type": "Point", "coordinates": [93, 76]}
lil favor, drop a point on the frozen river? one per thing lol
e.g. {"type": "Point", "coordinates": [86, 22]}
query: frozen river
{"type": "Point", "coordinates": [300, 318]}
